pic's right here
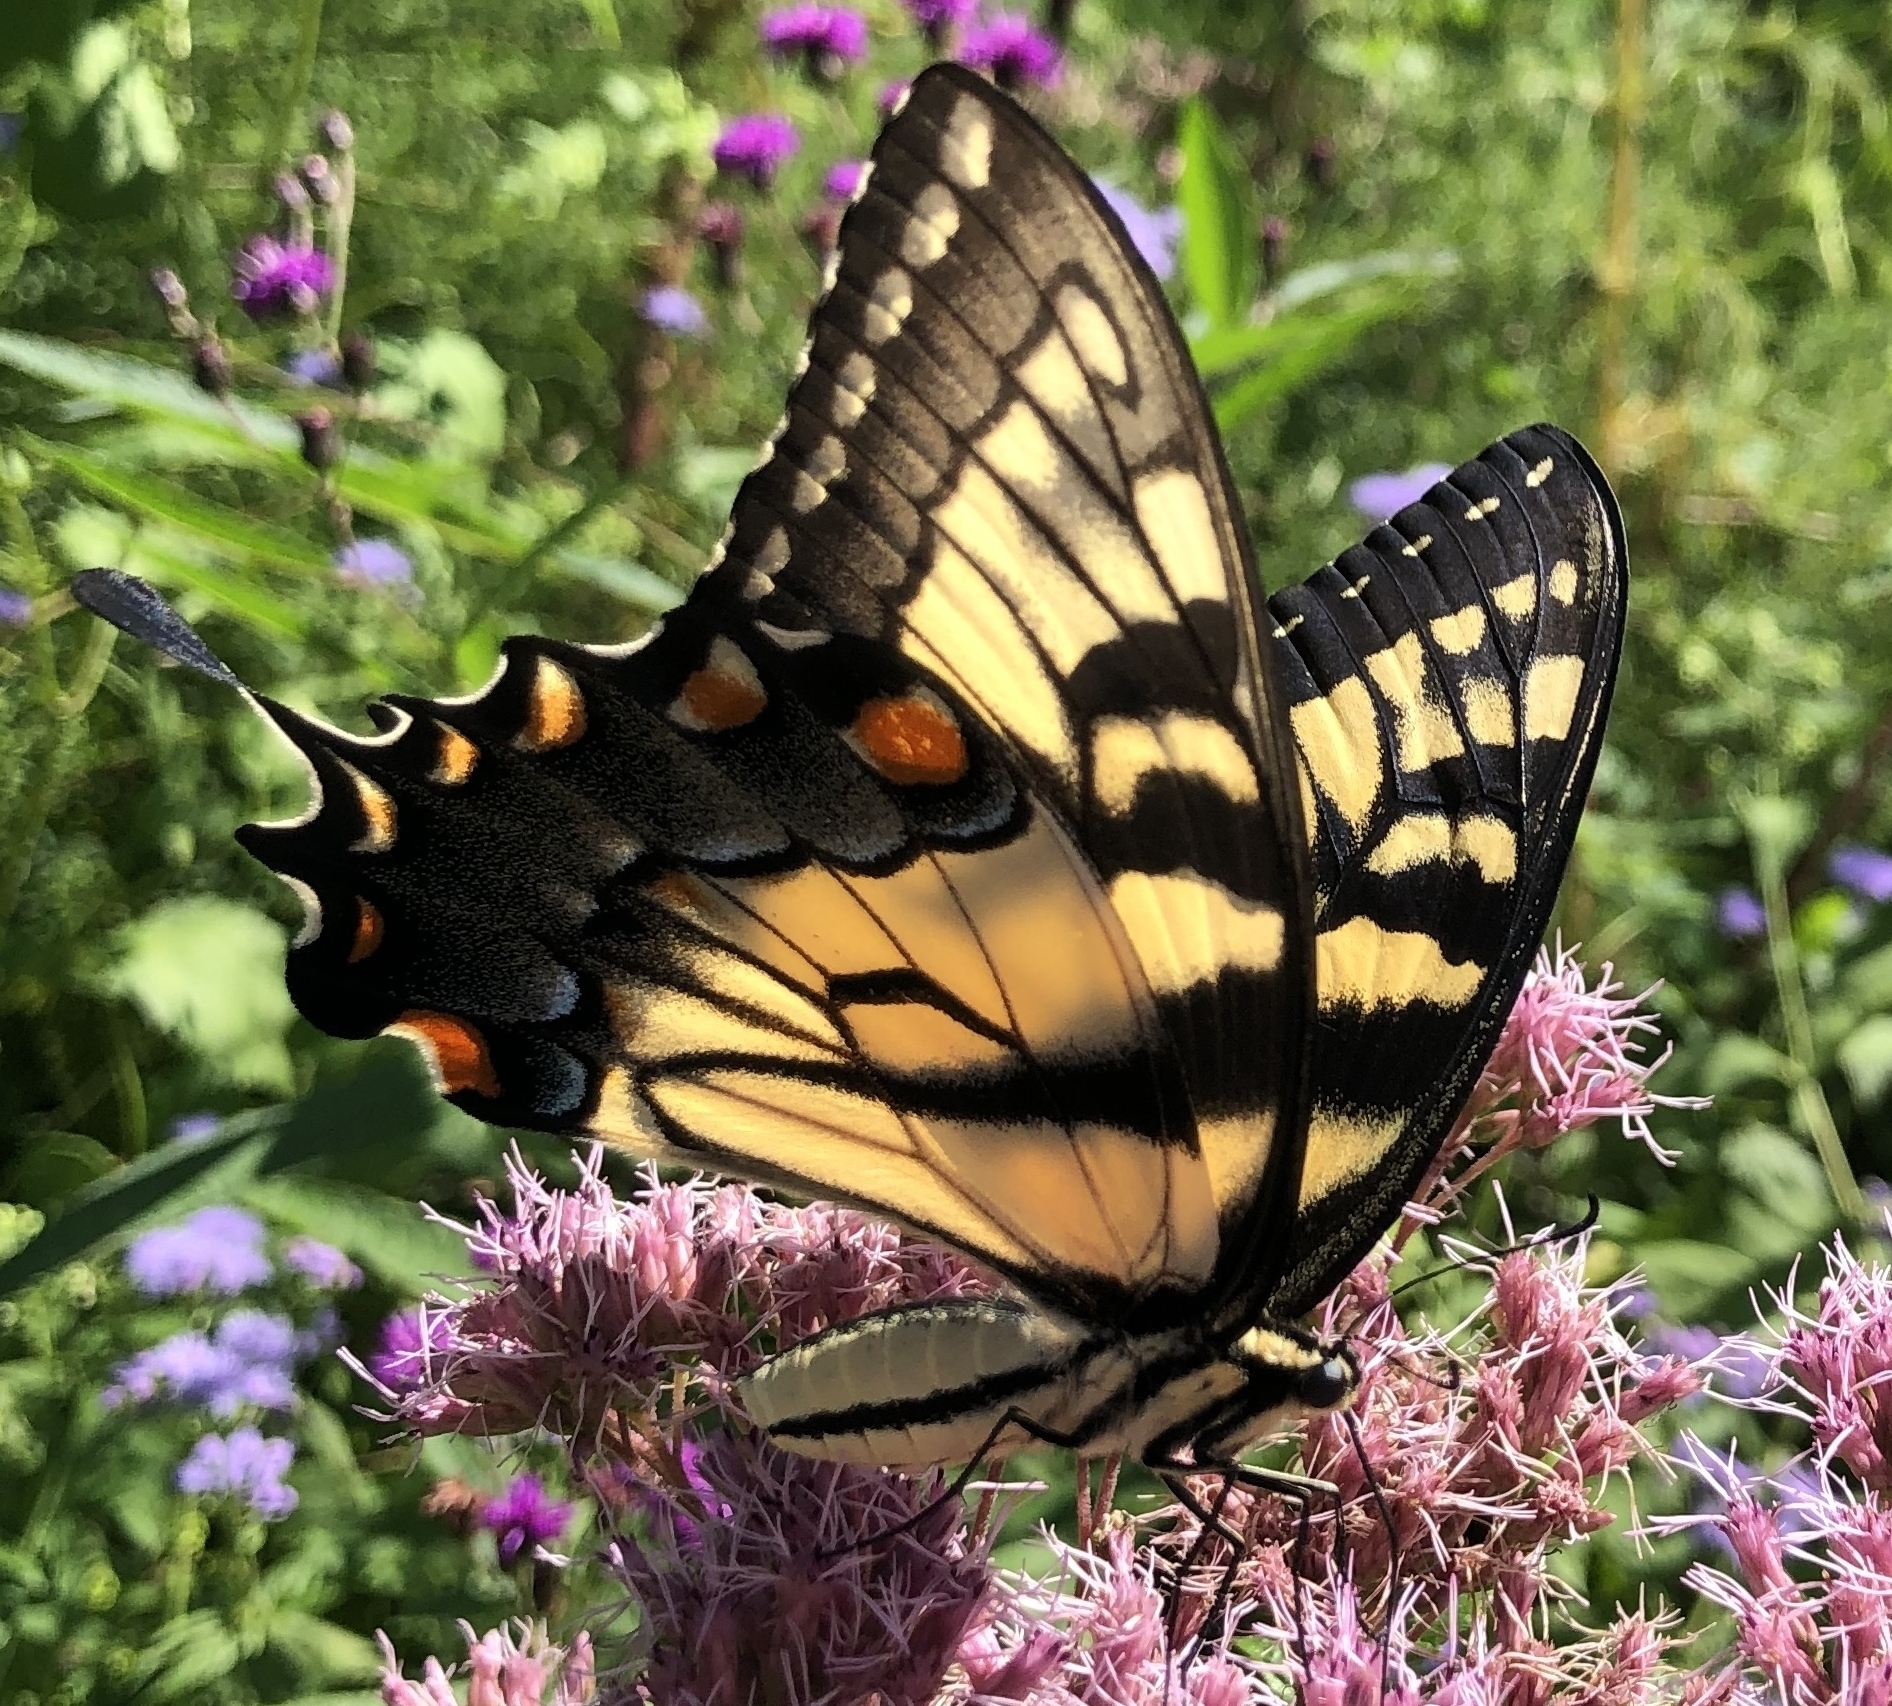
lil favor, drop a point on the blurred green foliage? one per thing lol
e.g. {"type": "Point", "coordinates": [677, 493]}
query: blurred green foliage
{"type": "Point", "coordinates": [1662, 225]}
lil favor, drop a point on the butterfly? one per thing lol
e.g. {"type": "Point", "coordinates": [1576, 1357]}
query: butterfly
{"type": "Point", "coordinates": [974, 847]}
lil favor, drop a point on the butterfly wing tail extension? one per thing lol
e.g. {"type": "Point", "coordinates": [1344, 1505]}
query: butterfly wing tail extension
{"type": "Point", "coordinates": [137, 608]}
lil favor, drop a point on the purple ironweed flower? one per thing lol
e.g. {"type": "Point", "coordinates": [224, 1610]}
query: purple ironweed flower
{"type": "Point", "coordinates": [1012, 52]}
{"type": "Point", "coordinates": [524, 1516]}
{"type": "Point", "coordinates": [844, 180]}
{"type": "Point", "coordinates": [373, 563]}
{"type": "Point", "coordinates": [195, 1128]}
{"type": "Point", "coordinates": [938, 18]}
{"type": "Point", "coordinates": [1864, 870]}
{"type": "Point", "coordinates": [322, 1265]}
{"type": "Point", "coordinates": [1377, 496]}
{"type": "Point", "coordinates": [412, 1342]}
{"type": "Point", "coordinates": [754, 147]}
{"type": "Point", "coordinates": [785, 1572]}
{"type": "Point", "coordinates": [272, 278]}
{"type": "Point", "coordinates": [1739, 916]}
{"type": "Point", "coordinates": [829, 38]}
{"type": "Point", "coordinates": [671, 308]}
{"type": "Point", "coordinates": [16, 609]}
{"type": "Point", "coordinates": [245, 1463]}
{"type": "Point", "coordinates": [318, 365]}
{"type": "Point", "coordinates": [503, 1668]}
{"type": "Point", "coordinates": [1153, 231]}
{"type": "Point", "coordinates": [216, 1249]}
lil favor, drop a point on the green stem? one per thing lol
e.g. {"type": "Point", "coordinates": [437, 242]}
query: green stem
{"type": "Point", "coordinates": [292, 109]}
{"type": "Point", "coordinates": [341, 220]}
{"type": "Point", "coordinates": [1809, 1100]}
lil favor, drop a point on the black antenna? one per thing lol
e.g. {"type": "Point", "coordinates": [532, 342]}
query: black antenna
{"type": "Point", "coordinates": [137, 608]}
{"type": "Point", "coordinates": [1550, 1235]}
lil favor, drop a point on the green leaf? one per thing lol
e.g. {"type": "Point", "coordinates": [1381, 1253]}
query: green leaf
{"type": "Point", "coordinates": [448, 380]}
{"type": "Point", "coordinates": [1690, 1276]}
{"type": "Point", "coordinates": [1304, 346]}
{"type": "Point", "coordinates": [320, 1650]}
{"type": "Point", "coordinates": [209, 971]}
{"type": "Point", "coordinates": [387, 1236]}
{"type": "Point", "coordinates": [1218, 246]}
{"type": "Point", "coordinates": [184, 1655]}
{"type": "Point", "coordinates": [162, 500]}
{"type": "Point", "coordinates": [1866, 1059]}
{"type": "Point", "coordinates": [379, 1098]}
{"type": "Point", "coordinates": [1735, 1059]}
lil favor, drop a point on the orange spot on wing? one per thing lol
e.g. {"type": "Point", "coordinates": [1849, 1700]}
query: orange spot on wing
{"type": "Point", "coordinates": [910, 739]}
{"type": "Point", "coordinates": [457, 756]}
{"type": "Point", "coordinates": [456, 1052]}
{"type": "Point", "coordinates": [377, 811]}
{"type": "Point", "coordinates": [555, 709]}
{"type": "Point", "coordinates": [370, 927]}
{"type": "Point", "coordinates": [717, 699]}
{"type": "Point", "coordinates": [679, 890]}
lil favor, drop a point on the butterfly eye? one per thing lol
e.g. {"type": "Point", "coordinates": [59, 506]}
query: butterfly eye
{"type": "Point", "coordinates": [1329, 1385]}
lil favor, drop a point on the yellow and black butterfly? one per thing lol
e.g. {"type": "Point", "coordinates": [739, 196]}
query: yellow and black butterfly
{"type": "Point", "coordinates": [970, 846]}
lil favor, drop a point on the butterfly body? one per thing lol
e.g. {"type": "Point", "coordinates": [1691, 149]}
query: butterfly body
{"type": "Point", "coordinates": [946, 1382]}
{"type": "Point", "coordinates": [974, 846]}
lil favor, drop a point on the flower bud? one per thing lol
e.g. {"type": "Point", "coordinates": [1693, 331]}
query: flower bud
{"type": "Point", "coordinates": [720, 226]}
{"type": "Point", "coordinates": [336, 131]}
{"type": "Point", "coordinates": [321, 442]}
{"type": "Point", "coordinates": [357, 361]}
{"type": "Point", "coordinates": [1274, 246]}
{"type": "Point", "coordinates": [320, 180]}
{"type": "Point", "coordinates": [292, 192]}
{"type": "Point", "coordinates": [1320, 162]}
{"type": "Point", "coordinates": [170, 290]}
{"type": "Point", "coordinates": [210, 367]}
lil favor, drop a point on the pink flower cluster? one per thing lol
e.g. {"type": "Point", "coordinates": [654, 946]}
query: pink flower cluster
{"type": "Point", "coordinates": [503, 1668]}
{"type": "Point", "coordinates": [619, 1325]}
{"type": "Point", "coordinates": [1811, 1588]}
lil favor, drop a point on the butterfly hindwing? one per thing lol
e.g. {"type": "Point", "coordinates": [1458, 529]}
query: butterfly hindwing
{"type": "Point", "coordinates": [1448, 681]}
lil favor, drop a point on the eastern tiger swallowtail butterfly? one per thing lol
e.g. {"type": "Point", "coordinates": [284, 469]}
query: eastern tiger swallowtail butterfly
{"type": "Point", "coordinates": [971, 848]}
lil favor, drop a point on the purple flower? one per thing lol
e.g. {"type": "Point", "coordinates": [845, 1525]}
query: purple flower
{"type": "Point", "coordinates": [938, 17]}
{"type": "Point", "coordinates": [1739, 916]}
{"type": "Point", "coordinates": [524, 1516]}
{"type": "Point", "coordinates": [412, 1344]}
{"type": "Point", "coordinates": [195, 1128]}
{"type": "Point", "coordinates": [671, 308]}
{"type": "Point", "coordinates": [272, 278]}
{"type": "Point", "coordinates": [317, 366]}
{"type": "Point", "coordinates": [754, 147]}
{"type": "Point", "coordinates": [216, 1249]}
{"type": "Point", "coordinates": [892, 95]}
{"type": "Point", "coordinates": [247, 1464]}
{"type": "Point", "coordinates": [16, 609]}
{"type": "Point", "coordinates": [322, 1265]}
{"type": "Point", "coordinates": [373, 563]}
{"type": "Point", "coordinates": [1864, 870]}
{"type": "Point", "coordinates": [1153, 231]}
{"type": "Point", "coordinates": [246, 1364]}
{"type": "Point", "coordinates": [1013, 52]}
{"type": "Point", "coordinates": [828, 37]}
{"type": "Point", "coordinates": [844, 179]}
{"type": "Point", "coordinates": [1377, 496]}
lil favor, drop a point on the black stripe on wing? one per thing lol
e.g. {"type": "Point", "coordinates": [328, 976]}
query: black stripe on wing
{"type": "Point", "coordinates": [1448, 680]}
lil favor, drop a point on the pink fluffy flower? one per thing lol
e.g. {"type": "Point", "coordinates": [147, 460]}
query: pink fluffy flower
{"type": "Point", "coordinates": [504, 1667]}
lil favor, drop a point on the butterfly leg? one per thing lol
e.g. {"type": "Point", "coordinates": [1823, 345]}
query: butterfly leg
{"type": "Point", "coordinates": [1012, 1418]}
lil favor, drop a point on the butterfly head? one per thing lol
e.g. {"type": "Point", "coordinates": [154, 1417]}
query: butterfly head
{"type": "Point", "coordinates": [1312, 1375]}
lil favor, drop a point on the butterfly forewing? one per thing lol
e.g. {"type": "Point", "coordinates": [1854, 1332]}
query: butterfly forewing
{"type": "Point", "coordinates": [998, 460]}
{"type": "Point", "coordinates": [1448, 680]}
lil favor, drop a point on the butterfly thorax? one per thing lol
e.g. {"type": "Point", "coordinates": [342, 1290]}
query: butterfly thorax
{"type": "Point", "coordinates": [939, 1383]}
